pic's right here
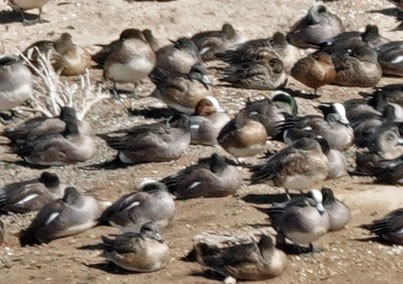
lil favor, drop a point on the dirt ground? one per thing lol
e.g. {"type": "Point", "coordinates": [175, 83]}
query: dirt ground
{"type": "Point", "coordinates": [345, 258]}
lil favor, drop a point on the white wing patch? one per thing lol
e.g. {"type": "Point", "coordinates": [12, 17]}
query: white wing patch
{"type": "Point", "coordinates": [51, 218]}
{"type": "Point", "coordinates": [195, 184]}
{"type": "Point", "coordinates": [398, 59]}
{"type": "Point", "coordinates": [135, 203]}
{"type": "Point", "coordinates": [27, 198]}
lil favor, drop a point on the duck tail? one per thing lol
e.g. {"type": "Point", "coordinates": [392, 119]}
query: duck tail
{"type": "Point", "coordinates": [27, 238]}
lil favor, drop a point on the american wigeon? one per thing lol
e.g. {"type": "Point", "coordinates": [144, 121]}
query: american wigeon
{"type": "Point", "coordinates": [385, 143]}
{"type": "Point", "coordinates": [389, 171]}
{"type": "Point", "coordinates": [357, 67]}
{"type": "Point", "coordinates": [389, 228]}
{"type": "Point", "coordinates": [390, 56]}
{"type": "Point", "coordinates": [146, 251]}
{"type": "Point", "coordinates": [297, 167]}
{"type": "Point", "coordinates": [180, 56]}
{"type": "Point", "coordinates": [39, 126]}
{"type": "Point", "coordinates": [158, 142]}
{"type": "Point", "coordinates": [211, 177]}
{"type": "Point", "coordinates": [315, 70]}
{"type": "Point", "coordinates": [131, 59]}
{"type": "Point", "coordinates": [24, 5]}
{"type": "Point", "coordinates": [208, 120]}
{"type": "Point", "coordinates": [350, 40]}
{"type": "Point", "coordinates": [334, 127]}
{"type": "Point", "coordinates": [31, 195]}
{"type": "Point", "coordinates": [212, 42]}
{"type": "Point", "coordinates": [302, 219]}
{"type": "Point", "coordinates": [68, 147]}
{"type": "Point", "coordinates": [152, 202]}
{"type": "Point", "coordinates": [243, 136]}
{"type": "Point", "coordinates": [339, 213]}
{"type": "Point", "coordinates": [256, 49]}
{"type": "Point", "coordinates": [389, 94]}
{"type": "Point", "coordinates": [182, 92]}
{"type": "Point", "coordinates": [266, 73]}
{"type": "Point", "coordinates": [72, 214]}
{"type": "Point", "coordinates": [271, 111]}
{"type": "Point", "coordinates": [257, 260]}
{"type": "Point", "coordinates": [317, 26]}
{"type": "Point", "coordinates": [15, 82]}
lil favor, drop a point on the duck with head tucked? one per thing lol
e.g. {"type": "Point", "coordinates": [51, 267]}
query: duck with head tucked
{"type": "Point", "coordinates": [389, 228]}
{"type": "Point", "coordinates": [256, 49]}
{"type": "Point", "coordinates": [35, 127]}
{"type": "Point", "coordinates": [210, 177]}
{"type": "Point", "coordinates": [317, 26]}
{"type": "Point", "coordinates": [70, 215]}
{"type": "Point", "coordinates": [131, 59]}
{"type": "Point", "coordinates": [182, 92]}
{"type": "Point", "coordinates": [244, 135]}
{"type": "Point", "coordinates": [152, 202]}
{"type": "Point", "coordinates": [357, 67]}
{"type": "Point", "coordinates": [15, 82]}
{"type": "Point", "coordinates": [158, 142]}
{"type": "Point", "coordinates": [302, 219]}
{"type": "Point", "coordinates": [390, 56]}
{"type": "Point", "coordinates": [146, 251]}
{"type": "Point", "coordinates": [315, 70]}
{"type": "Point", "coordinates": [178, 57]}
{"type": "Point", "coordinates": [24, 5]}
{"type": "Point", "coordinates": [208, 120]}
{"type": "Point", "coordinates": [256, 260]}
{"type": "Point", "coordinates": [267, 73]}
{"type": "Point", "coordinates": [339, 213]}
{"type": "Point", "coordinates": [57, 149]}
{"type": "Point", "coordinates": [297, 167]}
{"type": "Point", "coordinates": [31, 195]}
{"type": "Point", "coordinates": [212, 42]}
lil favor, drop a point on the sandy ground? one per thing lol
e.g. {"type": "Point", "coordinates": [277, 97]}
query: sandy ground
{"type": "Point", "coordinates": [344, 259]}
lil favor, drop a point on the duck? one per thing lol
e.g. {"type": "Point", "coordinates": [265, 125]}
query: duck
{"type": "Point", "coordinates": [266, 73]}
{"type": "Point", "coordinates": [182, 92]}
{"type": "Point", "coordinates": [131, 59]}
{"type": "Point", "coordinates": [38, 126]}
{"type": "Point", "coordinates": [315, 27]}
{"type": "Point", "coordinates": [243, 136]}
{"type": "Point", "coordinates": [31, 195]}
{"type": "Point", "coordinates": [57, 149]}
{"type": "Point", "coordinates": [270, 111]}
{"type": "Point", "coordinates": [388, 228]}
{"type": "Point", "coordinates": [337, 162]}
{"type": "Point", "coordinates": [358, 67]}
{"type": "Point", "coordinates": [390, 57]}
{"type": "Point", "coordinates": [339, 44]}
{"type": "Point", "coordinates": [253, 50]}
{"type": "Point", "coordinates": [297, 167]}
{"type": "Point", "coordinates": [389, 171]}
{"type": "Point", "coordinates": [211, 42]}
{"type": "Point", "coordinates": [385, 143]}
{"type": "Point", "coordinates": [24, 5]}
{"type": "Point", "coordinates": [339, 213]}
{"type": "Point", "coordinates": [152, 202]}
{"type": "Point", "coordinates": [208, 120]}
{"type": "Point", "coordinates": [100, 56]}
{"type": "Point", "coordinates": [334, 127]}
{"type": "Point", "coordinates": [386, 95]}
{"type": "Point", "coordinates": [249, 261]}
{"type": "Point", "coordinates": [146, 251]}
{"type": "Point", "coordinates": [210, 177]}
{"type": "Point", "coordinates": [2, 232]}
{"type": "Point", "coordinates": [315, 70]}
{"type": "Point", "coordinates": [157, 142]}
{"type": "Point", "coordinates": [15, 82]}
{"type": "Point", "coordinates": [302, 219]}
{"type": "Point", "coordinates": [178, 57]}
{"type": "Point", "coordinates": [70, 215]}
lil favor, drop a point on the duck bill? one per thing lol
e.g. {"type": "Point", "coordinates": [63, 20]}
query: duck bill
{"type": "Point", "coordinates": [344, 121]}
{"type": "Point", "coordinates": [158, 237]}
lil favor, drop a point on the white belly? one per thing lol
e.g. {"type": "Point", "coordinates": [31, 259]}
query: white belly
{"type": "Point", "coordinates": [13, 98]}
{"type": "Point", "coordinates": [133, 71]}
